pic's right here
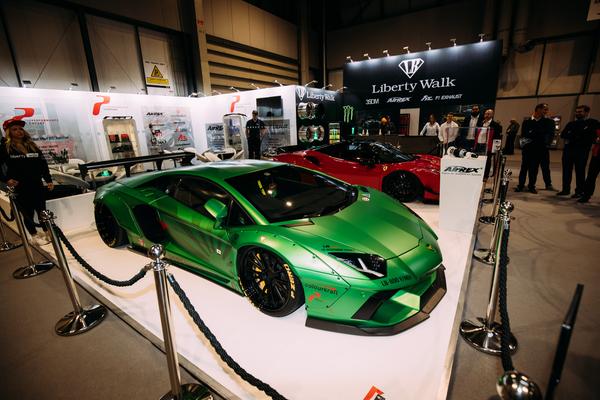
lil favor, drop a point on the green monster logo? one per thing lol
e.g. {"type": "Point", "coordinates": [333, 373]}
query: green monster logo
{"type": "Point", "coordinates": [348, 113]}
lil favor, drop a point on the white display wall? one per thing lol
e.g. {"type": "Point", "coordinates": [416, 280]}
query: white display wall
{"type": "Point", "coordinates": [76, 120]}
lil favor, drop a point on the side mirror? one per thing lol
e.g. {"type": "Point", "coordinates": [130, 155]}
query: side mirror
{"type": "Point", "coordinates": [217, 210]}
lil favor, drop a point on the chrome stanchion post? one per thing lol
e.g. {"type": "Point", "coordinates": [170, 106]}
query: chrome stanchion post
{"type": "Point", "coordinates": [178, 391]}
{"type": "Point", "coordinates": [500, 162]}
{"type": "Point", "coordinates": [485, 334]}
{"type": "Point", "coordinates": [487, 256]}
{"type": "Point", "coordinates": [5, 245]}
{"type": "Point", "coordinates": [81, 319]}
{"type": "Point", "coordinates": [32, 268]}
{"type": "Point", "coordinates": [497, 155]}
{"type": "Point", "coordinates": [496, 189]}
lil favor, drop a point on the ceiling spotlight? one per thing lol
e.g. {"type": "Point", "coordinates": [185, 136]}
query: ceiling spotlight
{"type": "Point", "coordinates": [407, 49]}
{"type": "Point", "coordinates": [366, 55]}
{"type": "Point", "coordinates": [387, 53]}
{"type": "Point", "coordinates": [349, 59]}
{"type": "Point", "coordinates": [110, 88]}
{"type": "Point", "coordinates": [26, 82]}
{"type": "Point", "coordinates": [453, 40]}
{"type": "Point", "coordinates": [277, 82]}
{"type": "Point", "coordinates": [341, 89]}
{"type": "Point", "coordinates": [193, 94]}
{"type": "Point", "coordinates": [216, 91]}
{"type": "Point", "coordinates": [232, 88]}
{"type": "Point", "coordinates": [327, 86]}
{"type": "Point", "coordinates": [428, 45]}
{"type": "Point", "coordinates": [310, 83]}
{"type": "Point", "coordinates": [481, 36]}
{"type": "Point", "coordinates": [254, 86]}
{"type": "Point", "coordinates": [73, 84]}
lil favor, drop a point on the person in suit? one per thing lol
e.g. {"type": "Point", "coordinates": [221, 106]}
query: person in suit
{"type": "Point", "coordinates": [545, 152]}
{"type": "Point", "coordinates": [578, 136]}
{"type": "Point", "coordinates": [535, 132]}
{"type": "Point", "coordinates": [469, 128]}
{"type": "Point", "coordinates": [490, 130]}
{"type": "Point", "coordinates": [593, 171]}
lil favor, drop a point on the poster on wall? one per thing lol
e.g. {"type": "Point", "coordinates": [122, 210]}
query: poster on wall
{"type": "Point", "coordinates": [167, 128]}
{"type": "Point", "coordinates": [278, 134]}
{"type": "Point", "coordinates": [52, 125]}
{"type": "Point", "coordinates": [428, 82]}
{"type": "Point", "coordinates": [315, 110]}
{"type": "Point", "coordinates": [215, 138]}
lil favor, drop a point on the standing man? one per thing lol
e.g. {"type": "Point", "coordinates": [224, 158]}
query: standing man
{"type": "Point", "coordinates": [545, 154]}
{"type": "Point", "coordinates": [255, 130]}
{"type": "Point", "coordinates": [511, 134]}
{"type": "Point", "coordinates": [489, 131]}
{"type": "Point", "coordinates": [448, 133]}
{"type": "Point", "coordinates": [469, 128]}
{"type": "Point", "coordinates": [593, 170]}
{"type": "Point", "coordinates": [579, 135]}
{"type": "Point", "coordinates": [534, 139]}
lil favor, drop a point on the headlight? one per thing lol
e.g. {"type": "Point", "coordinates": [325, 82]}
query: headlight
{"type": "Point", "coordinates": [370, 265]}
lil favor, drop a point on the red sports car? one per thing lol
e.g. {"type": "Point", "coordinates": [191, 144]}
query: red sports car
{"type": "Point", "coordinates": [382, 166]}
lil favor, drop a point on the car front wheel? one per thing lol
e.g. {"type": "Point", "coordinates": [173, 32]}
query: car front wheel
{"type": "Point", "coordinates": [269, 282]}
{"type": "Point", "coordinates": [109, 230]}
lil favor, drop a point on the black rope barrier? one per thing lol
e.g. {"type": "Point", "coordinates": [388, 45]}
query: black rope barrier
{"type": "Point", "coordinates": [507, 363]}
{"type": "Point", "coordinates": [245, 375]}
{"type": "Point", "coordinates": [97, 274]}
{"type": "Point", "coordinates": [5, 215]}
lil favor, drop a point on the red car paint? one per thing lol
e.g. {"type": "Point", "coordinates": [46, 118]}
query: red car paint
{"type": "Point", "coordinates": [425, 167]}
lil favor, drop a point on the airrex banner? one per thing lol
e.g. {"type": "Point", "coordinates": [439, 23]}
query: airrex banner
{"type": "Point", "coordinates": [457, 75]}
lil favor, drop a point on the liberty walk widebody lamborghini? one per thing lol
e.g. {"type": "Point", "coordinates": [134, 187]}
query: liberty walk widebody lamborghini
{"type": "Point", "coordinates": [285, 236]}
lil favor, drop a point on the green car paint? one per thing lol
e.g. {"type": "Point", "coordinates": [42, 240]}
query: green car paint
{"type": "Point", "coordinates": [324, 252]}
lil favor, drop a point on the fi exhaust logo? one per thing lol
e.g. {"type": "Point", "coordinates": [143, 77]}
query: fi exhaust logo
{"type": "Point", "coordinates": [410, 67]}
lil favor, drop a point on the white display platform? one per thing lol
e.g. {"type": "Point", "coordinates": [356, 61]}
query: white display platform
{"type": "Point", "coordinates": [461, 182]}
{"type": "Point", "coordinates": [299, 362]}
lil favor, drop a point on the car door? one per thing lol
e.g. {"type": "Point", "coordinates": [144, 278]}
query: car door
{"type": "Point", "coordinates": [191, 229]}
{"type": "Point", "coordinates": [356, 164]}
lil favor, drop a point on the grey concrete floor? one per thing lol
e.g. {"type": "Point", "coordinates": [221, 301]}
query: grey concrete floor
{"type": "Point", "coordinates": [554, 244]}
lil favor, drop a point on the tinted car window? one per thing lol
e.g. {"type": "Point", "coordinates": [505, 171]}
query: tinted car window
{"type": "Point", "coordinates": [194, 193]}
{"type": "Point", "coordinates": [335, 150]}
{"type": "Point", "coordinates": [237, 216]}
{"type": "Point", "coordinates": [287, 192]}
{"type": "Point", "coordinates": [386, 153]}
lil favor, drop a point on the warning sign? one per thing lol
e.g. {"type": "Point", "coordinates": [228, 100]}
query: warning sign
{"type": "Point", "coordinates": [158, 76]}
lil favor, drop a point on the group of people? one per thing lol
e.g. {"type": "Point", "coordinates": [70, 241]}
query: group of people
{"type": "Point", "coordinates": [22, 168]}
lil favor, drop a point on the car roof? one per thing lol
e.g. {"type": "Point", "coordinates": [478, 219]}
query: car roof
{"type": "Point", "coordinates": [218, 170]}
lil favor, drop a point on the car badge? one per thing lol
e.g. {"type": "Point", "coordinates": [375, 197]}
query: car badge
{"type": "Point", "coordinates": [219, 252]}
{"type": "Point", "coordinates": [429, 247]}
{"type": "Point", "coordinates": [366, 197]}
{"type": "Point", "coordinates": [385, 167]}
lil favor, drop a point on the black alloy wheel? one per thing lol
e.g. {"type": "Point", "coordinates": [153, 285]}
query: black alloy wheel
{"type": "Point", "coordinates": [109, 230]}
{"type": "Point", "coordinates": [269, 282]}
{"type": "Point", "coordinates": [403, 186]}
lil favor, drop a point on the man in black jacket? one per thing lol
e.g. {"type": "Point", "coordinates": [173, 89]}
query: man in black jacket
{"type": "Point", "coordinates": [535, 135]}
{"type": "Point", "coordinates": [578, 135]}
{"type": "Point", "coordinates": [468, 129]}
{"type": "Point", "coordinates": [545, 154]}
{"type": "Point", "coordinates": [490, 131]}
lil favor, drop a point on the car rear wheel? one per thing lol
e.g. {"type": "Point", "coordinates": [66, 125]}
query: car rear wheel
{"type": "Point", "coordinates": [269, 282]}
{"type": "Point", "coordinates": [109, 230]}
{"type": "Point", "coordinates": [402, 186]}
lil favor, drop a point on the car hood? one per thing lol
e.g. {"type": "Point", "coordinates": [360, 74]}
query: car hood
{"type": "Point", "coordinates": [373, 224]}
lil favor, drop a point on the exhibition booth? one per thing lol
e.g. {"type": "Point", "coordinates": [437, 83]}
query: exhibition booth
{"type": "Point", "coordinates": [298, 360]}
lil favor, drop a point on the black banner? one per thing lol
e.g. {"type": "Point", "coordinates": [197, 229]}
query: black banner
{"type": "Point", "coordinates": [459, 75]}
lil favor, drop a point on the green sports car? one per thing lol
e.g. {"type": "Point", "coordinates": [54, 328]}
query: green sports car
{"type": "Point", "coordinates": [284, 236]}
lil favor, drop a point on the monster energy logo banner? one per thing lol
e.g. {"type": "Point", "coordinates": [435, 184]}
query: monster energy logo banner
{"type": "Point", "coordinates": [348, 113]}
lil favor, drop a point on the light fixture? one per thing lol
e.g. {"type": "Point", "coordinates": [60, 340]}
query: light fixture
{"type": "Point", "coordinates": [428, 45]}
{"type": "Point", "coordinates": [310, 83]}
{"type": "Point", "coordinates": [366, 55]}
{"type": "Point", "coordinates": [453, 40]}
{"type": "Point", "coordinates": [386, 52]}
{"type": "Point", "coordinates": [216, 91]}
{"type": "Point", "coordinates": [327, 86]}
{"type": "Point", "coordinates": [349, 59]}
{"type": "Point", "coordinates": [193, 94]}
{"type": "Point", "coordinates": [232, 88]}
{"type": "Point", "coordinates": [254, 86]}
{"type": "Point", "coordinates": [110, 88]}
{"type": "Point", "coordinates": [481, 36]}
{"type": "Point", "coordinates": [73, 84]}
{"type": "Point", "coordinates": [277, 82]}
{"type": "Point", "coordinates": [407, 49]}
{"type": "Point", "coordinates": [26, 82]}
{"type": "Point", "coordinates": [141, 91]}
{"type": "Point", "coordinates": [341, 89]}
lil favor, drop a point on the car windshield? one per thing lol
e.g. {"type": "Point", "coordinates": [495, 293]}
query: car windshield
{"type": "Point", "coordinates": [386, 153]}
{"type": "Point", "coordinates": [286, 192]}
